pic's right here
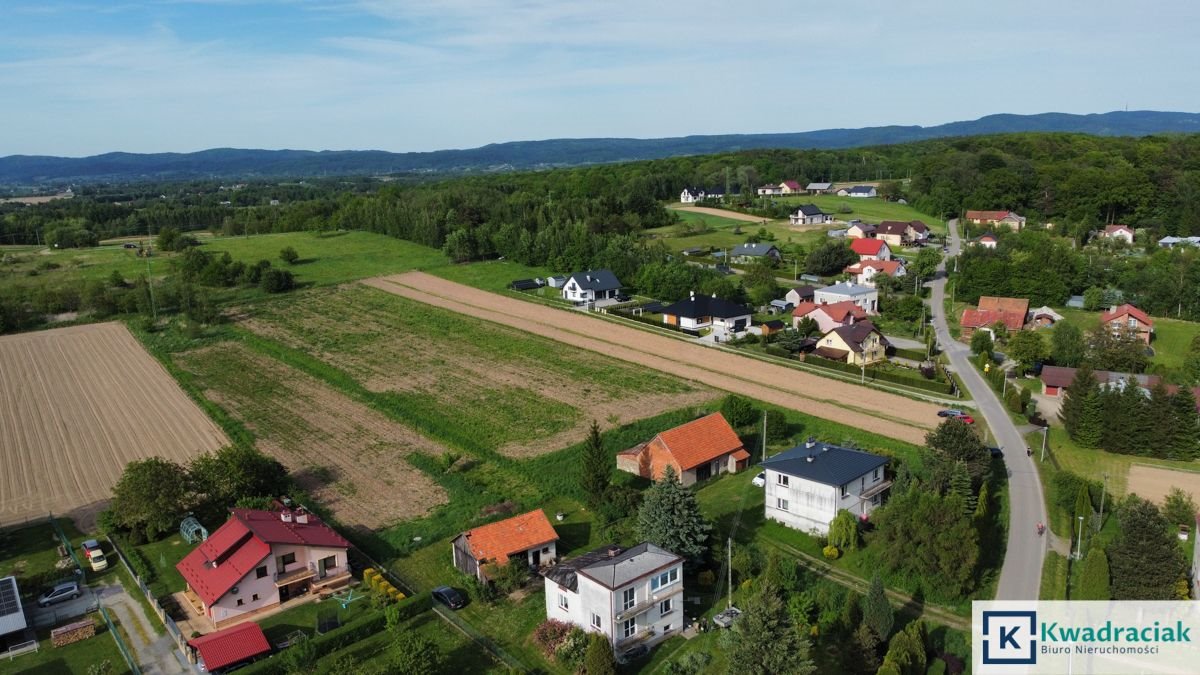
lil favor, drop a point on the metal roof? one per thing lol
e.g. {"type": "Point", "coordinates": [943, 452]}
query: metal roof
{"type": "Point", "coordinates": [824, 463]}
{"type": "Point", "coordinates": [12, 615]}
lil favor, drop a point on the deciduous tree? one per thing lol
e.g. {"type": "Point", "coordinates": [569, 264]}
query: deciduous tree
{"type": "Point", "coordinates": [1066, 345]}
{"type": "Point", "coordinates": [152, 496]}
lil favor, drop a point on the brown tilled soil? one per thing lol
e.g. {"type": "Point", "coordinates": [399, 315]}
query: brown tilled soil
{"type": "Point", "coordinates": [732, 215]}
{"type": "Point", "coordinates": [852, 405]}
{"type": "Point", "coordinates": [1153, 483]}
{"type": "Point", "coordinates": [350, 457]}
{"type": "Point", "coordinates": [77, 404]}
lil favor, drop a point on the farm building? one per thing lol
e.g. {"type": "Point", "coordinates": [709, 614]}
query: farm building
{"type": "Point", "coordinates": [698, 450]}
{"type": "Point", "coordinates": [819, 188]}
{"type": "Point", "coordinates": [529, 537]}
{"type": "Point", "coordinates": [259, 559]}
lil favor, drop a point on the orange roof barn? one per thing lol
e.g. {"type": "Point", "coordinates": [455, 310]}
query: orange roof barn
{"type": "Point", "coordinates": [497, 541]}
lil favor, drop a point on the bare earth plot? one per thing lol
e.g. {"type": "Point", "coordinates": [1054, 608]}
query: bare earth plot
{"type": "Point", "coordinates": [348, 456]}
{"type": "Point", "coordinates": [732, 215]}
{"type": "Point", "coordinates": [855, 406]}
{"type": "Point", "coordinates": [77, 404]}
{"type": "Point", "coordinates": [512, 392]}
{"type": "Point", "coordinates": [1153, 483]}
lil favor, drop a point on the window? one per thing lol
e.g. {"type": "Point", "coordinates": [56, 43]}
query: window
{"type": "Point", "coordinates": [628, 598]}
{"type": "Point", "coordinates": [667, 628]}
{"type": "Point", "coordinates": [875, 499]}
{"type": "Point", "coordinates": [844, 490]}
{"type": "Point", "coordinates": [862, 482]}
{"type": "Point", "coordinates": [781, 479]}
{"type": "Point", "coordinates": [629, 628]}
{"type": "Point", "coordinates": [239, 604]}
{"type": "Point", "coordinates": [254, 598]}
{"type": "Point", "coordinates": [595, 620]}
{"type": "Point", "coordinates": [562, 601]}
{"type": "Point", "coordinates": [546, 551]}
{"type": "Point", "coordinates": [285, 560]}
{"type": "Point", "coordinates": [260, 572]}
{"type": "Point", "coordinates": [781, 504]}
{"type": "Point", "coordinates": [665, 579]}
{"type": "Point", "coordinates": [664, 607]}
{"type": "Point", "coordinates": [876, 474]}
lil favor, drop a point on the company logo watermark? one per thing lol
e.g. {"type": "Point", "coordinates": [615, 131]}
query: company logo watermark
{"type": "Point", "coordinates": [1086, 637]}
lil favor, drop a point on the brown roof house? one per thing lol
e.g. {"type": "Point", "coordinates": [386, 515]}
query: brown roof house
{"type": "Point", "coordinates": [1056, 379]}
{"type": "Point", "coordinates": [1129, 319]}
{"type": "Point", "coordinates": [1006, 218]}
{"type": "Point", "coordinates": [1008, 311]}
{"type": "Point", "coordinates": [529, 537]}
{"type": "Point", "coordinates": [697, 450]}
{"type": "Point", "coordinates": [859, 344]}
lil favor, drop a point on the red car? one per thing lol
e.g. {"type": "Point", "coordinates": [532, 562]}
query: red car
{"type": "Point", "coordinates": [965, 419]}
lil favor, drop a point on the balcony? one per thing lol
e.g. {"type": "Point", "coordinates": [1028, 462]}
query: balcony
{"type": "Point", "coordinates": [649, 602]}
{"type": "Point", "coordinates": [643, 634]}
{"type": "Point", "coordinates": [300, 572]}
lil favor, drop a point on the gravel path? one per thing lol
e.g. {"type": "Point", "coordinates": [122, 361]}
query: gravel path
{"type": "Point", "coordinates": [850, 404]}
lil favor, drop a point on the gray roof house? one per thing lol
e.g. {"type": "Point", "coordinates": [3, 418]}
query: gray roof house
{"type": "Point", "coordinates": [866, 297]}
{"type": "Point", "coordinates": [808, 485]}
{"type": "Point", "coordinates": [818, 188]}
{"type": "Point", "coordinates": [591, 286]}
{"type": "Point", "coordinates": [749, 252]}
{"type": "Point", "coordinates": [631, 596]}
{"type": "Point", "coordinates": [809, 214]}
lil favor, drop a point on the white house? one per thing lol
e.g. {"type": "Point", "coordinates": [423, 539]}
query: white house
{"type": "Point", "coordinates": [860, 191]}
{"type": "Point", "coordinates": [632, 597]}
{"type": "Point", "coordinates": [809, 484]}
{"type": "Point", "coordinates": [1119, 232]}
{"type": "Point", "coordinates": [691, 195]}
{"type": "Point", "coordinates": [865, 297]}
{"type": "Point", "coordinates": [864, 272]}
{"type": "Point", "coordinates": [770, 190]}
{"type": "Point", "coordinates": [591, 286]}
{"type": "Point", "coordinates": [810, 214]}
{"type": "Point", "coordinates": [702, 311]}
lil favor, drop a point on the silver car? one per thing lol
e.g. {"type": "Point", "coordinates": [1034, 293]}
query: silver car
{"type": "Point", "coordinates": [67, 590]}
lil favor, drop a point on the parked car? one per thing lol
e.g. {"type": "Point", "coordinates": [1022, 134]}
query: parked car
{"type": "Point", "coordinates": [92, 551]}
{"type": "Point", "coordinates": [950, 413]}
{"type": "Point", "coordinates": [129, 245]}
{"type": "Point", "coordinates": [66, 590]}
{"type": "Point", "coordinates": [997, 453]}
{"type": "Point", "coordinates": [760, 480]}
{"type": "Point", "coordinates": [449, 597]}
{"type": "Point", "coordinates": [965, 419]}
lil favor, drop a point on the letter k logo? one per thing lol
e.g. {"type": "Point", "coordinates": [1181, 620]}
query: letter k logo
{"type": "Point", "coordinates": [1009, 638]}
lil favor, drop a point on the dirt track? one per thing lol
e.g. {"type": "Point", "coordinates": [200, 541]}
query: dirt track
{"type": "Point", "coordinates": [852, 405]}
{"type": "Point", "coordinates": [732, 215]}
{"type": "Point", "coordinates": [76, 404]}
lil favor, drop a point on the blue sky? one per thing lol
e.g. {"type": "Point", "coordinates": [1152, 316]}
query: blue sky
{"type": "Point", "coordinates": [87, 76]}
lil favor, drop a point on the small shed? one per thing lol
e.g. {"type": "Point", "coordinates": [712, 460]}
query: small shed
{"type": "Point", "coordinates": [556, 282]}
{"type": "Point", "coordinates": [231, 646]}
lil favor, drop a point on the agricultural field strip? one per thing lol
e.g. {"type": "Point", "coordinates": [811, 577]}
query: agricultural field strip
{"type": "Point", "coordinates": [311, 428]}
{"type": "Point", "coordinates": [76, 404]}
{"type": "Point", "coordinates": [722, 213]}
{"type": "Point", "coordinates": [852, 405]}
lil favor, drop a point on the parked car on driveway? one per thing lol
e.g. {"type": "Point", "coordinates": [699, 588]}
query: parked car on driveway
{"type": "Point", "coordinates": [66, 590]}
{"type": "Point", "coordinates": [449, 597]}
{"type": "Point", "coordinates": [760, 480]}
{"type": "Point", "coordinates": [950, 413]}
{"type": "Point", "coordinates": [92, 551]}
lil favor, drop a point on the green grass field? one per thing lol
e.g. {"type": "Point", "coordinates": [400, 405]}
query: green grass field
{"type": "Point", "coordinates": [493, 275]}
{"type": "Point", "coordinates": [869, 210]}
{"type": "Point", "coordinates": [1172, 337]}
{"type": "Point", "coordinates": [163, 556]}
{"type": "Point", "coordinates": [721, 234]}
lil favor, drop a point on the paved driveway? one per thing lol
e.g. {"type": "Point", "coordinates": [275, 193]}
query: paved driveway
{"type": "Point", "coordinates": [1021, 575]}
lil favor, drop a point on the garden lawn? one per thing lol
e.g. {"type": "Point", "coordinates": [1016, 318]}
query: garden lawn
{"type": "Point", "coordinates": [1093, 463]}
{"type": "Point", "coordinates": [1171, 342]}
{"type": "Point", "coordinates": [163, 556]}
{"type": "Point", "coordinates": [459, 653]}
{"type": "Point", "coordinates": [30, 554]}
{"type": "Point", "coordinates": [303, 617]}
{"type": "Point", "coordinates": [73, 658]}
{"type": "Point", "coordinates": [495, 275]}
{"type": "Point", "coordinates": [721, 232]}
{"type": "Point", "coordinates": [869, 210]}
{"type": "Point", "coordinates": [332, 258]}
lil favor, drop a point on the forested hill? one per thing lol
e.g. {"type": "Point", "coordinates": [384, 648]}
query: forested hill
{"type": "Point", "coordinates": [26, 170]}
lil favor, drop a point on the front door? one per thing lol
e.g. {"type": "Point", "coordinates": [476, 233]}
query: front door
{"type": "Point", "coordinates": [284, 594]}
{"type": "Point", "coordinates": [321, 568]}
{"type": "Point", "coordinates": [537, 558]}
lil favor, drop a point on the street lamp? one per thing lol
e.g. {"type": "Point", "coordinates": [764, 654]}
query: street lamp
{"type": "Point", "coordinates": [1045, 431]}
{"type": "Point", "coordinates": [1100, 523]}
{"type": "Point", "coordinates": [1079, 546]}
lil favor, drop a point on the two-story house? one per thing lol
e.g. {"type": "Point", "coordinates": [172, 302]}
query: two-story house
{"type": "Point", "coordinates": [259, 559]}
{"type": "Point", "coordinates": [858, 344]}
{"type": "Point", "coordinates": [807, 485]}
{"type": "Point", "coordinates": [864, 272]}
{"type": "Point", "coordinates": [828, 316]}
{"type": "Point", "coordinates": [528, 537]}
{"type": "Point", "coordinates": [691, 195]}
{"type": "Point", "coordinates": [866, 297]}
{"type": "Point", "coordinates": [631, 597]}
{"type": "Point", "coordinates": [1129, 319]}
{"type": "Point", "coordinates": [871, 249]}
{"type": "Point", "coordinates": [591, 286]}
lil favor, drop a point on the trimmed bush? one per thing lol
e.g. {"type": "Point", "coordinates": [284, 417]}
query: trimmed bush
{"type": "Point", "coordinates": [831, 552]}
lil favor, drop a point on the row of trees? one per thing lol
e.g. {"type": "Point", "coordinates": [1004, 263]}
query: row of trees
{"type": "Point", "coordinates": [1119, 417]}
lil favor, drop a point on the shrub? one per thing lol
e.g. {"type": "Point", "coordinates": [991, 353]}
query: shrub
{"type": "Point", "coordinates": [141, 567]}
{"type": "Point", "coordinates": [289, 255]}
{"type": "Point", "coordinates": [550, 634]}
{"type": "Point", "coordinates": [776, 350]}
{"type": "Point", "coordinates": [277, 281]}
{"type": "Point", "coordinates": [570, 651]}
{"type": "Point", "coordinates": [831, 552]}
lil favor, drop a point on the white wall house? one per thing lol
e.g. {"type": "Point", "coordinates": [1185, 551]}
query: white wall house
{"type": "Point", "coordinates": [807, 485]}
{"type": "Point", "coordinates": [701, 311]}
{"type": "Point", "coordinates": [631, 597]}
{"type": "Point", "coordinates": [691, 195]}
{"type": "Point", "coordinates": [865, 297]}
{"type": "Point", "coordinates": [591, 286]}
{"type": "Point", "coordinates": [810, 214]}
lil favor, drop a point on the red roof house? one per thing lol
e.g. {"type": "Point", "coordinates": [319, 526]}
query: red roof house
{"type": "Point", "coordinates": [829, 316]}
{"type": "Point", "coordinates": [991, 310]}
{"type": "Point", "coordinates": [1122, 232]}
{"type": "Point", "coordinates": [231, 646]}
{"type": "Point", "coordinates": [864, 272]}
{"type": "Point", "coordinates": [529, 536]}
{"type": "Point", "coordinates": [871, 249]}
{"type": "Point", "coordinates": [791, 186]}
{"type": "Point", "coordinates": [1127, 318]}
{"type": "Point", "coordinates": [259, 559]}
{"type": "Point", "coordinates": [1008, 218]}
{"type": "Point", "coordinates": [697, 451]}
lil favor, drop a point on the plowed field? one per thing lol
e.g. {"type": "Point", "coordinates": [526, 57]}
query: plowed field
{"type": "Point", "coordinates": [855, 406]}
{"type": "Point", "coordinates": [77, 404]}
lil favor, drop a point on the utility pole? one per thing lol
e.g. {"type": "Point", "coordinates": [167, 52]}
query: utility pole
{"type": "Point", "coordinates": [729, 567]}
{"type": "Point", "coordinates": [149, 278]}
{"type": "Point", "coordinates": [764, 436]}
{"type": "Point", "coordinates": [1045, 430]}
{"type": "Point", "coordinates": [1103, 490]}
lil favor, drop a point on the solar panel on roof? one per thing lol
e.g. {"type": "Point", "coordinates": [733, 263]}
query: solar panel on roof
{"type": "Point", "coordinates": [8, 597]}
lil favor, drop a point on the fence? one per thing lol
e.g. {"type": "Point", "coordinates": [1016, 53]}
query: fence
{"type": "Point", "coordinates": [133, 666]}
{"type": "Point", "coordinates": [23, 648]}
{"type": "Point", "coordinates": [172, 628]}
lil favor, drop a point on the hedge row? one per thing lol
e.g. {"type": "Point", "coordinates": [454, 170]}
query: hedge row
{"type": "Point", "coordinates": [141, 567]}
{"type": "Point", "coordinates": [340, 638]}
{"type": "Point", "coordinates": [877, 375]}
{"type": "Point", "coordinates": [914, 354]}
{"type": "Point", "coordinates": [381, 585]}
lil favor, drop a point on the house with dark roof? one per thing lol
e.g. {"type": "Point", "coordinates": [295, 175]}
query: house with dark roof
{"type": "Point", "coordinates": [528, 537]}
{"type": "Point", "coordinates": [770, 190]}
{"type": "Point", "coordinates": [871, 249]}
{"type": "Point", "coordinates": [860, 230]}
{"type": "Point", "coordinates": [259, 559]}
{"type": "Point", "coordinates": [748, 253]}
{"type": "Point", "coordinates": [591, 286]}
{"type": "Point", "coordinates": [810, 214]}
{"type": "Point", "coordinates": [1127, 319]}
{"type": "Point", "coordinates": [856, 344]}
{"type": "Point", "coordinates": [701, 311]}
{"type": "Point", "coordinates": [807, 485]}
{"type": "Point", "coordinates": [900, 232]}
{"type": "Point", "coordinates": [632, 597]}
{"type": "Point", "coordinates": [860, 191]}
{"type": "Point", "coordinates": [800, 294]}
{"type": "Point", "coordinates": [699, 450]}
{"type": "Point", "coordinates": [691, 195]}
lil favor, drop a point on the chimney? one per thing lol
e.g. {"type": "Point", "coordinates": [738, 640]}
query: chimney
{"type": "Point", "coordinates": [614, 551]}
{"type": "Point", "coordinates": [285, 516]}
{"type": "Point", "coordinates": [811, 442]}
{"type": "Point", "coordinates": [301, 516]}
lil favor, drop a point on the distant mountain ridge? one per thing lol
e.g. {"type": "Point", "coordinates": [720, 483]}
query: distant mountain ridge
{"type": "Point", "coordinates": [229, 163]}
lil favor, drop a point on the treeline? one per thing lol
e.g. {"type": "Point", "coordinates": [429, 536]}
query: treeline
{"type": "Point", "coordinates": [1121, 418]}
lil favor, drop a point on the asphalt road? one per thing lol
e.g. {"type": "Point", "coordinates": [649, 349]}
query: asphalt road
{"type": "Point", "coordinates": [1021, 574]}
